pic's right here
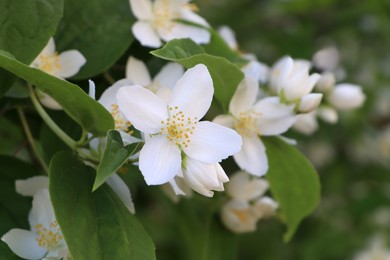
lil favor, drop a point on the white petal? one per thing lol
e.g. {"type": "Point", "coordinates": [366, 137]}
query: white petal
{"type": "Point", "coordinates": [42, 210]}
{"type": "Point", "coordinates": [243, 187]}
{"type": "Point", "coordinates": [201, 177]}
{"type": "Point", "coordinates": [280, 71]}
{"type": "Point", "coordinates": [238, 216]}
{"type": "Point", "coordinates": [229, 36]}
{"type": "Point", "coordinates": [108, 97]}
{"type": "Point", "coordinates": [142, 9]}
{"type": "Point", "coordinates": [70, 63]}
{"type": "Point", "coordinates": [195, 85]}
{"type": "Point", "coordinates": [310, 102]}
{"type": "Point", "coordinates": [159, 161]}
{"type": "Point", "coordinates": [257, 70]}
{"type": "Point", "coordinates": [47, 100]}
{"type": "Point", "coordinates": [123, 192]}
{"type": "Point", "coordinates": [347, 96]}
{"type": "Point", "coordinates": [275, 118]}
{"type": "Point", "coordinates": [23, 244]}
{"type": "Point", "coordinates": [211, 142]}
{"type": "Point", "coordinates": [142, 108]}
{"type": "Point", "coordinates": [30, 186]}
{"type": "Point", "coordinates": [50, 47]}
{"type": "Point", "coordinates": [265, 207]}
{"type": "Point", "coordinates": [326, 58]}
{"type": "Point", "coordinates": [169, 75]}
{"type": "Point", "coordinates": [180, 31]}
{"type": "Point", "coordinates": [326, 82]}
{"type": "Point", "coordinates": [252, 157]}
{"type": "Point", "coordinates": [224, 120]}
{"type": "Point", "coordinates": [306, 123]}
{"type": "Point", "coordinates": [137, 72]}
{"type": "Point", "coordinates": [91, 89]}
{"type": "Point", "coordinates": [328, 114]}
{"type": "Point", "coordinates": [188, 15]}
{"type": "Point", "coordinates": [244, 97]}
{"type": "Point", "coordinates": [145, 34]}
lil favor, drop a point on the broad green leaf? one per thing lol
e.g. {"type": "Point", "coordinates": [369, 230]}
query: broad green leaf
{"type": "Point", "coordinates": [99, 29]}
{"type": "Point", "coordinates": [88, 113]}
{"type": "Point", "coordinates": [218, 47]}
{"type": "Point", "coordinates": [226, 75]}
{"type": "Point", "coordinates": [95, 225]}
{"type": "Point", "coordinates": [26, 27]}
{"type": "Point", "coordinates": [294, 182]}
{"type": "Point", "coordinates": [114, 156]}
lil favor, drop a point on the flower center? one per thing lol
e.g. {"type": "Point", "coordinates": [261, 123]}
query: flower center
{"type": "Point", "coordinates": [163, 15]}
{"type": "Point", "coordinates": [49, 63]}
{"type": "Point", "coordinates": [120, 123]}
{"type": "Point", "coordinates": [178, 128]}
{"type": "Point", "coordinates": [242, 215]}
{"type": "Point", "coordinates": [246, 123]}
{"type": "Point", "coordinates": [48, 237]}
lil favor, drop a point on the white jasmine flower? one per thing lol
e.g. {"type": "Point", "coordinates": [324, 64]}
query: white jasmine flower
{"type": "Point", "coordinates": [376, 250]}
{"type": "Point", "coordinates": [238, 216]}
{"type": "Point", "coordinates": [347, 96]}
{"type": "Point", "coordinates": [248, 203]}
{"type": "Point", "coordinates": [162, 84]}
{"type": "Point", "coordinates": [253, 119]}
{"type": "Point", "coordinates": [327, 59]}
{"type": "Point", "coordinates": [229, 36]}
{"type": "Point", "coordinates": [173, 131]}
{"type": "Point", "coordinates": [63, 65]}
{"type": "Point", "coordinates": [293, 83]}
{"type": "Point", "coordinates": [44, 239]}
{"type": "Point", "coordinates": [328, 114]}
{"type": "Point", "coordinates": [158, 20]}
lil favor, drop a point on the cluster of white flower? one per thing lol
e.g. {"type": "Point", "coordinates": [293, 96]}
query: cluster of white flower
{"type": "Point", "coordinates": [184, 151]}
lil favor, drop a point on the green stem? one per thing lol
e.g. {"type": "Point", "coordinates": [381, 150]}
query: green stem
{"type": "Point", "coordinates": [53, 126]}
{"type": "Point", "coordinates": [83, 138]}
{"type": "Point", "coordinates": [31, 139]}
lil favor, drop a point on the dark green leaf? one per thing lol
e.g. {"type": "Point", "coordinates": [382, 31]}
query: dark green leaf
{"type": "Point", "coordinates": [226, 75]}
{"type": "Point", "coordinates": [26, 27]}
{"type": "Point", "coordinates": [293, 181]}
{"type": "Point", "coordinates": [95, 225]}
{"type": "Point", "coordinates": [11, 137]}
{"type": "Point", "coordinates": [114, 156]}
{"type": "Point", "coordinates": [88, 113]}
{"type": "Point", "coordinates": [99, 29]}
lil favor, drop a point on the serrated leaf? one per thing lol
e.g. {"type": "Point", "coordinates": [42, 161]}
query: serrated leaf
{"type": "Point", "coordinates": [87, 112]}
{"type": "Point", "coordinates": [99, 29]}
{"type": "Point", "coordinates": [226, 75]}
{"type": "Point", "coordinates": [95, 225]}
{"type": "Point", "coordinates": [26, 27]}
{"type": "Point", "coordinates": [114, 156]}
{"type": "Point", "coordinates": [294, 183]}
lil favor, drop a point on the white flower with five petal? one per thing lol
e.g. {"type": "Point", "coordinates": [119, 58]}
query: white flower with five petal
{"type": "Point", "coordinates": [253, 119]}
{"type": "Point", "coordinates": [158, 20]}
{"type": "Point", "coordinates": [293, 83]}
{"type": "Point", "coordinates": [248, 203]}
{"type": "Point", "coordinates": [44, 239]}
{"type": "Point", "coordinates": [63, 65]}
{"type": "Point", "coordinates": [174, 137]}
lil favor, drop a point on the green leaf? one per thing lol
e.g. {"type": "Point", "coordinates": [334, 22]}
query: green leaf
{"type": "Point", "coordinates": [114, 156]}
{"type": "Point", "coordinates": [11, 137]}
{"type": "Point", "coordinates": [294, 182]}
{"type": "Point", "coordinates": [87, 112]}
{"type": "Point", "coordinates": [226, 75]}
{"type": "Point", "coordinates": [14, 207]}
{"type": "Point", "coordinates": [26, 27]}
{"type": "Point", "coordinates": [99, 29]}
{"type": "Point", "coordinates": [95, 225]}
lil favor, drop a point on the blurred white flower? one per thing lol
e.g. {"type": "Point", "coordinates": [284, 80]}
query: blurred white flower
{"type": "Point", "coordinates": [375, 251]}
{"type": "Point", "coordinates": [44, 239]}
{"type": "Point", "coordinates": [173, 134]}
{"type": "Point", "coordinates": [306, 123]}
{"type": "Point", "coordinates": [248, 203]}
{"type": "Point", "coordinates": [347, 96]}
{"type": "Point", "coordinates": [229, 36]}
{"type": "Point", "coordinates": [293, 83]}
{"type": "Point", "coordinates": [63, 65]}
{"type": "Point", "coordinates": [158, 20]}
{"type": "Point", "coordinates": [253, 119]}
